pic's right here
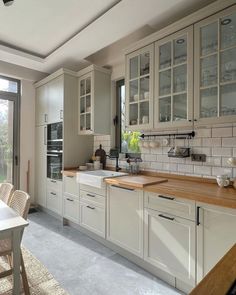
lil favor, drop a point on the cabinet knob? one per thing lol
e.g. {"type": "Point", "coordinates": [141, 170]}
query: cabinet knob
{"type": "Point", "coordinates": [195, 120]}
{"type": "Point", "coordinates": [190, 120]}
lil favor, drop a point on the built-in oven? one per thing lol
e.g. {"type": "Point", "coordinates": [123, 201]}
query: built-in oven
{"type": "Point", "coordinates": [54, 151]}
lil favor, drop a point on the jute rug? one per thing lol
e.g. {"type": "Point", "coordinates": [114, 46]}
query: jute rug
{"type": "Point", "coordinates": [41, 282]}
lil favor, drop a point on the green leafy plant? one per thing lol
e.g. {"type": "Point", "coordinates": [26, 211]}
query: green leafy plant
{"type": "Point", "coordinates": [131, 139]}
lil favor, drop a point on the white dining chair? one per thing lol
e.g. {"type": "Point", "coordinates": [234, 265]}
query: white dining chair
{"type": "Point", "coordinates": [19, 202]}
{"type": "Point", "coordinates": [6, 190]}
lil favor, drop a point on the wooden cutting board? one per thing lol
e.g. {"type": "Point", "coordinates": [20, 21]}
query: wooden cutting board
{"type": "Point", "coordinates": [138, 181]}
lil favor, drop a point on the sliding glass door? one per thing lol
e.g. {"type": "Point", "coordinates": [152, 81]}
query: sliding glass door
{"type": "Point", "coordinates": [9, 130]}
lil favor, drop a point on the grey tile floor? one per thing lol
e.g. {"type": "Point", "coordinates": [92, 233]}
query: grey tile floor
{"type": "Point", "coordinates": [83, 266]}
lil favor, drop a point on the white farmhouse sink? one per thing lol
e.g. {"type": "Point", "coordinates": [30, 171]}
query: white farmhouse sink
{"type": "Point", "coordinates": [96, 178]}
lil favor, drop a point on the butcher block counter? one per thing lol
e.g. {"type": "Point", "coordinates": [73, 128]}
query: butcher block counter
{"type": "Point", "coordinates": [192, 188]}
{"type": "Point", "coordinates": [220, 279]}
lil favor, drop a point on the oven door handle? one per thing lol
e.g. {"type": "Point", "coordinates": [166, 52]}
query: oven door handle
{"type": "Point", "coordinates": [53, 155]}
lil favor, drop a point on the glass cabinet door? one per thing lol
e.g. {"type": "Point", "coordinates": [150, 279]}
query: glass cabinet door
{"type": "Point", "coordinates": [139, 86]}
{"type": "Point", "coordinates": [216, 65]}
{"type": "Point", "coordinates": [85, 104]}
{"type": "Point", "coordinates": [173, 103]}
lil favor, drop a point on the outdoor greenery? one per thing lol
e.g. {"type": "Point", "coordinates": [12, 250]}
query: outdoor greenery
{"type": "Point", "coordinates": [130, 141]}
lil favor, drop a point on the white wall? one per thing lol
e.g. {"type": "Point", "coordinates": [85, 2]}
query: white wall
{"type": "Point", "coordinates": [27, 135]}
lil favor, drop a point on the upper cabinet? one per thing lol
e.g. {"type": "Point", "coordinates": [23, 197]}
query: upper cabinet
{"type": "Point", "coordinates": [173, 80]}
{"type": "Point", "coordinates": [215, 66]}
{"type": "Point", "coordinates": [49, 101]}
{"type": "Point", "coordinates": [94, 101]}
{"type": "Point", "coordinates": [139, 89]}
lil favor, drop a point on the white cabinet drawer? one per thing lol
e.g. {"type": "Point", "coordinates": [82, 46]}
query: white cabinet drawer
{"type": "Point", "coordinates": [92, 217]}
{"type": "Point", "coordinates": [95, 190]}
{"type": "Point", "coordinates": [54, 184]}
{"type": "Point", "coordinates": [54, 201]}
{"type": "Point", "coordinates": [92, 197]}
{"type": "Point", "coordinates": [71, 208]}
{"type": "Point", "coordinates": [169, 204]}
{"type": "Point", "coordinates": [71, 186]}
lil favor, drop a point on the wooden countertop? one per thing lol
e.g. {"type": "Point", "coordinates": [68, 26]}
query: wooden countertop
{"type": "Point", "coordinates": [192, 188]}
{"type": "Point", "coordinates": [219, 280]}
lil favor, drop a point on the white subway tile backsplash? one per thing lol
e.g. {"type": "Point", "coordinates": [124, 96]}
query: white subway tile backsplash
{"type": "Point", "coordinates": [217, 142]}
{"type": "Point", "coordinates": [223, 151]}
{"type": "Point", "coordinates": [222, 132]}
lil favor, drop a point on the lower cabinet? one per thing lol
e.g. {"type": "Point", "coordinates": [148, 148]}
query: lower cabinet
{"type": "Point", "coordinates": [71, 208]}
{"type": "Point", "coordinates": [216, 234]}
{"type": "Point", "coordinates": [125, 218]}
{"type": "Point", "coordinates": [92, 217]}
{"type": "Point", "coordinates": [54, 196]}
{"type": "Point", "coordinates": [169, 244]}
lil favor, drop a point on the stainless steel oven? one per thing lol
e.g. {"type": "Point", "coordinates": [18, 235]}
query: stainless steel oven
{"type": "Point", "coordinates": [54, 151]}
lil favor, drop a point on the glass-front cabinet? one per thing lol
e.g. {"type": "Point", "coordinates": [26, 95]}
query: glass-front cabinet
{"type": "Point", "coordinates": [139, 85]}
{"type": "Point", "coordinates": [173, 80]}
{"type": "Point", "coordinates": [215, 64]}
{"type": "Point", "coordinates": [85, 94]}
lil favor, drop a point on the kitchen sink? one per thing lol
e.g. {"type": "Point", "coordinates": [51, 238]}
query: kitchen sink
{"type": "Point", "coordinates": [96, 178]}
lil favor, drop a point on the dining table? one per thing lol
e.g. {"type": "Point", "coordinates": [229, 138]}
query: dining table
{"type": "Point", "coordinates": [11, 227]}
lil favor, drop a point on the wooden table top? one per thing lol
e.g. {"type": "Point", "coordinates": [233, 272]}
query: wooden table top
{"type": "Point", "coordinates": [9, 219]}
{"type": "Point", "coordinates": [219, 280]}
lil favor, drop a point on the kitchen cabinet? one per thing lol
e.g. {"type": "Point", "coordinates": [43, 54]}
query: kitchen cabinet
{"type": "Point", "coordinates": [55, 99]}
{"type": "Point", "coordinates": [215, 67]}
{"type": "Point", "coordinates": [70, 198]}
{"type": "Point", "coordinates": [125, 218]}
{"type": "Point", "coordinates": [94, 101]}
{"type": "Point", "coordinates": [174, 80]}
{"type": "Point", "coordinates": [216, 234]}
{"type": "Point", "coordinates": [54, 196]}
{"type": "Point", "coordinates": [169, 244]}
{"type": "Point", "coordinates": [41, 114]}
{"type": "Point", "coordinates": [40, 165]}
{"type": "Point", "coordinates": [139, 89]}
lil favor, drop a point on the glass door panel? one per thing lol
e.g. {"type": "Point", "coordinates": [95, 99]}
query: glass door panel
{"type": "Point", "coordinates": [144, 63]}
{"type": "Point", "coordinates": [88, 121]}
{"type": "Point", "coordinates": [144, 112]}
{"type": "Point", "coordinates": [228, 100]}
{"type": "Point", "coordinates": [228, 65]}
{"type": "Point", "coordinates": [82, 105]}
{"type": "Point", "coordinates": [179, 107]}
{"type": "Point", "coordinates": [165, 56]}
{"type": "Point", "coordinates": [133, 114]}
{"type": "Point", "coordinates": [82, 87]}
{"type": "Point", "coordinates": [209, 69]}
{"type": "Point", "coordinates": [209, 39]}
{"type": "Point", "coordinates": [144, 88]}
{"type": "Point", "coordinates": [180, 50]}
{"type": "Point", "coordinates": [208, 102]}
{"type": "Point", "coordinates": [88, 85]}
{"type": "Point", "coordinates": [228, 31]}
{"type": "Point", "coordinates": [133, 67]}
{"type": "Point", "coordinates": [165, 82]}
{"type": "Point", "coordinates": [6, 140]}
{"type": "Point", "coordinates": [165, 109]}
{"type": "Point", "coordinates": [180, 78]}
{"type": "Point", "coordinates": [133, 91]}
{"type": "Point", "coordinates": [82, 122]}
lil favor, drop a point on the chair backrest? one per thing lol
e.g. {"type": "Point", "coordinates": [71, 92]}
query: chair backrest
{"type": "Point", "coordinates": [20, 202]}
{"type": "Point", "coordinates": [6, 190]}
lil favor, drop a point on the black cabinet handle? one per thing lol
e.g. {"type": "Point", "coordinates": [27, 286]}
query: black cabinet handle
{"type": "Point", "coordinates": [90, 207]}
{"type": "Point", "coordinates": [167, 198]}
{"type": "Point", "coordinates": [70, 200]}
{"type": "Point", "coordinates": [190, 120]}
{"type": "Point", "coordinates": [127, 189]}
{"type": "Point", "coordinates": [198, 216]}
{"type": "Point", "coordinates": [53, 194]}
{"type": "Point", "coordinates": [53, 181]}
{"type": "Point", "coordinates": [89, 195]}
{"type": "Point", "coordinates": [166, 217]}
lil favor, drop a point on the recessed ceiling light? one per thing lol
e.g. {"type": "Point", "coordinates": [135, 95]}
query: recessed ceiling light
{"type": "Point", "coordinates": [8, 2]}
{"type": "Point", "coordinates": [226, 21]}
{"type": "Point", "coordinates": [180, 41]}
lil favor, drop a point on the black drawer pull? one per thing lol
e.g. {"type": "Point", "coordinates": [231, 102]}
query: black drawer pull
{"type": "Point", "coordinates": [53, 181]}
{"type": "Point", "coordinates": [54, 194]}
{"type": "Point", "coordinates": [198, 216]}
{"type": "Point", "coordinates": [90, 207]}
{"type": "Point", "coordinates": [70, 176]}
{"type": "Point", "coordinates": [127, 189]}
{"type": "Point", "coordinates": [167, 198]}
{"type": "Point", "coordinates": [89, 195]}
{"type": "Point", "coordinates": [166, 217]}
{"type": "Point", "coordinates": [70, 200]}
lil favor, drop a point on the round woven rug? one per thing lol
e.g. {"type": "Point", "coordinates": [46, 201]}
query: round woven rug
{"type": "Point", "coordinates": [40, 280]}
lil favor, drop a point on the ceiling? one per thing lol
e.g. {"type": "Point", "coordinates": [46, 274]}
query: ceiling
{"type": "Point", "coordinates": [46, 35]}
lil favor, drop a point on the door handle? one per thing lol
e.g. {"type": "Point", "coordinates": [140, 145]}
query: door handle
{"type": "Point", "coordinates": [70, 200]}
{"type": "Point", "coordinates": [89, 195]}
{"type": "Point", "coordinates": [90, 207]}
{"type": "Point", "coordinates": [198, 216]}
{"type": "Point", "coordinates": [166, 217]}
{"type": "Point", "coordinates": [53, 194]}
{"type": "Point", "coordinates": [167, 198]}
{"type": "Point", "coordinates": [124, 188]}
{"type": "Point", "coordinates": [16, 160]}
{"type": "Point", "coordinates": [45, 135]}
